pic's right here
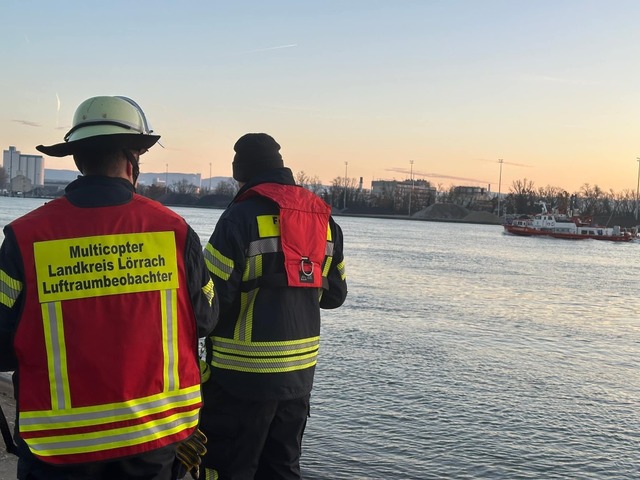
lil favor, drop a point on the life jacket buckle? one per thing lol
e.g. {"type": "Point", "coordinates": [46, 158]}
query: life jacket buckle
{"type": "Point", "coordinates": [304, 264]}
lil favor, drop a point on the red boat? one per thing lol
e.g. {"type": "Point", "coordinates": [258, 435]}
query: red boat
{"type": "Point", "coordinates": [567, 227]}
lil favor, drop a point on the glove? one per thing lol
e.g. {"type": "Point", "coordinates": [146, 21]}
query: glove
{"type": "Point", "coordinates": [190, 451]}
{"type": "Point", "coordinates": [205, 371]}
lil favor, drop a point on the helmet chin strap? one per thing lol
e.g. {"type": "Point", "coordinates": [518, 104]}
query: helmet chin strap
{"type": "Point", "coordinates": [135, 165]}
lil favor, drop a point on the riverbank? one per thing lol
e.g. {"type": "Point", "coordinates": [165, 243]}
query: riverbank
{"type": "Point", "coordinates": [440, 212]}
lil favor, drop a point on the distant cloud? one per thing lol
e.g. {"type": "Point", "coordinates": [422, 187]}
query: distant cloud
{"type": "Point", "coordinates": [27, 123]}
{"type": "Point", "coordinates": [434, 175]}
{"type": "Point", "coordinates": [507, 163]}
{"type": "Point", "coordinates": [279, 47]}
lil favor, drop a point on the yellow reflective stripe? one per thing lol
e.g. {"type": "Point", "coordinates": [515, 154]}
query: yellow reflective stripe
{"type": "Point", "coordinates": [329, 237]}
{"type": "Point", "coordinates": [108, 413]}
{"type": "Point", "coordinates": [265, 357]}
{"type": "Point", "coordinates": [327, 266]}
{"type": "Point", "coordinates": [209, 291]}
{"type": "Point", "coordinates": [10, 289]}
{"type": "Point", "coordinates": [342, 270]}
{"type": "Point", "coordinates": [218, 264]}
{"type": "Point", "coordinates": [264, 365]}
{"type": "Point", "coordinates": [56, 355]}
{"type": "Point", "coordinates": [210, 474]}
{"type": "Point", "coordinates": [253, 268]}
{"type": "Point", "coordinates": [268, 225]}
{"type": "Point", "coordinates": [113, 438]}
{"type": "Point", "coordinates": [169, 301]}
{"type": "Point", "coordinates": [244, 324]}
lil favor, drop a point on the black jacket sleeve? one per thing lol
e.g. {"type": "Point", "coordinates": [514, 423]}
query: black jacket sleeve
{"type": "Point", "coordinates": [201, 288]}
{"type": "Point", "coordinates": [11, 298]}
{"type": "Point", "coordinates": [337, 278]}
{"type": "Point", "coordinates": [227, 251]}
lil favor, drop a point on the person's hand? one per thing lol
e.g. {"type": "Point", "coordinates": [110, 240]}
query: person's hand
{"type": "Point", "coordinates": [190, 451]}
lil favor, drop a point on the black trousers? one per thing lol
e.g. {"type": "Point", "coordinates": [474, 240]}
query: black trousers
{"type": "Point", "coordinates": [154, 465]}
{"type": "Point", "coordinates": [252, 440]}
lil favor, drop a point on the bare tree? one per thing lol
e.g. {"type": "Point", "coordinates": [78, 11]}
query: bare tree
{"type": "Point", "coordinates": [185, 187]}
{"type": "Point", "coordinates": [591, 199]}
{"type": "Point", "coordinates": [301, 178]}
{"type": "Point", "coordinates": [522, 197]}
{"type": "Point", "coordinates": [227, 188]}
{"type": "Point", "coordinates": [312, 184]}
{"type": "Point", "coordinates": [152, 191]}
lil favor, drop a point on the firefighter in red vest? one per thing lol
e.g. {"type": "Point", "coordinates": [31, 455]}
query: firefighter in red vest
{"type": "Point", "coordinates": [103, 296]}
{"type": "Point", "coordinates": [276, 259]}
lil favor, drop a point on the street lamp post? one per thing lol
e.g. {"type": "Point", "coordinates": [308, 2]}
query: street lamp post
{"type": "Point", "coordinates": [499, 186]}
{"type": "Point", "coordinates": [411, 193]}
{"type": "Point", "coordinates": [344, 203]}
{"type": "Point", "coordinates": [637, 187]}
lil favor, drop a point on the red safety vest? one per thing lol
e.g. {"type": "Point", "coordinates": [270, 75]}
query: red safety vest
{"type": "Point", "coordinates": [304, 219]}
{"type": "Point", "coordinates": [107, 342]}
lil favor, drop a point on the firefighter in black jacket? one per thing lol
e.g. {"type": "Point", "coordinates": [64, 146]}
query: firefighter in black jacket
{"type": "Point", "coordinates": [276, 259]}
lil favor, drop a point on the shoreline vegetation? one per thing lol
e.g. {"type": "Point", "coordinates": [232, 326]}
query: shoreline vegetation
{"type": "Point", "coordinates": [437, 212]}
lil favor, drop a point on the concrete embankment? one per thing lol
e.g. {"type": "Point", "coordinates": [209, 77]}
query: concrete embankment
{"type": "Point", "coordinates": [8, 462]}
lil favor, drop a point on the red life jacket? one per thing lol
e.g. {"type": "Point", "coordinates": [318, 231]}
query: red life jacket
{"type": "Point", "coordinates": [304, 219]}
{"type": "Point", "coordinates": [107, 342]}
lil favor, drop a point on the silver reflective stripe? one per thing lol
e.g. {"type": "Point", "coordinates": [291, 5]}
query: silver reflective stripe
{"type": "Point", "coordinates": [104, 438]}
{"type": "Point", "coordinates": [55, 356]}
{"type": "Point", "coordinates": [264, 245]}
{"type": "Point", "coordinates": [251, 269]}
{"type": "Point", "coordinates": [263, 347]}
{"type": "Point", "coordinates": [112, 414]}
{"type": "Point", "coordinates": [170, 343]}
{"type": "Point", "coordinates": [329, 249]}
{"type": "Point", "coordinates": [262, 364]}
{"type": "Point", "coordinates": [215, 263]}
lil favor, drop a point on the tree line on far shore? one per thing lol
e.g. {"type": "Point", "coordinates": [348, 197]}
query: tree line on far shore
{"type": "Point", "coordinates": [345, 194]}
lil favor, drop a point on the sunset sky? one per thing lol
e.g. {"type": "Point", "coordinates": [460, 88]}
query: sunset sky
{"type": "Point", "coordinates": [552, 87]}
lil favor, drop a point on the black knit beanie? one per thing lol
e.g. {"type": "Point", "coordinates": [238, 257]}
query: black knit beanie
{"type": "Point", "coordinates": [255, 153]}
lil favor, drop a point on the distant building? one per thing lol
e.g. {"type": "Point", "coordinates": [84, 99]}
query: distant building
{"type": "Point", "coordinates": [17, 165]}
{"type": "Point", "coordinates": [468, 196]}
{"type": "Point", "coordinates": [21, 184]}
{"type": "Point", "coordinates": [422, 193]}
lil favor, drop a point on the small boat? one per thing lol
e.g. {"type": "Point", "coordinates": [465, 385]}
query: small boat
{"type": "Point", "coordinates": [556, 225]}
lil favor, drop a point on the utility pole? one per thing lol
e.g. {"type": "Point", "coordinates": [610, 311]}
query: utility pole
{"type": "Point", "coordinates": [344, 203]}
{"type": "Point", "coordinates": [499, 186]}
{"type": "Point", "coordinates": [209, 177]}
{"type": "Point", "coordinates": [411, 193]}
{"type": "Point", "coordinates": [166, 179]}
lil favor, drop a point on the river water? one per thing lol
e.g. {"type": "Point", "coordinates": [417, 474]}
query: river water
{"type": "Point", "coordinates": [464, 353]}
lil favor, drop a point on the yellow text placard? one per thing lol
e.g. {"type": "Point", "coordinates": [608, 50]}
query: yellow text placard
{"type": "Point", "coordinates": [105, 265]}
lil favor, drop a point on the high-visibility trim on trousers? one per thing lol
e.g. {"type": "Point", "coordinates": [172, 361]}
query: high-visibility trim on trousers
{"type": "Point", "coordinates": [265, 357]}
